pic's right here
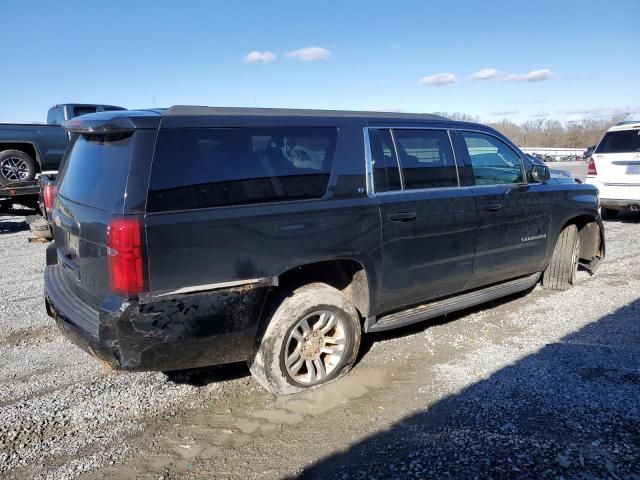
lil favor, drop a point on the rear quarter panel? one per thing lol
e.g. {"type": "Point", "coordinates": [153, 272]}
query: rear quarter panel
{"type": "Point", "coordinates": [203, 247]}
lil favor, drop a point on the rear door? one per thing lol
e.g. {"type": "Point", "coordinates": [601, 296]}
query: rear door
{"type": "Point", "coordinates": [428, 221]}
{"type": "Point", "coordinates": [617, 158]}
{"type": "Point", "coordinates": [92, 188]}
{"type": "Point", "coordinates": [513, 215]}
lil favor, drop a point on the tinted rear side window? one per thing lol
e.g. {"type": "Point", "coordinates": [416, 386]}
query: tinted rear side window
{"type": "Point", "coordinates": [624, 141]}
{"type": "Point", "coordinates": [213, 167]}
{"type": "Point", "coordinates": [96, 169]}
{"type": "Point", "coordinates": [426, 159]}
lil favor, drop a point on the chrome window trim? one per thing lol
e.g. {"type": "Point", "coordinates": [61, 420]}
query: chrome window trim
{"type": "Point", "coordinates": [398, 161]}
{"type": "Point", "coordinates": [425, 190]}
{"type": "Point", "coordinates": [368, 160]}
{"type": "Point", "coordinates": [369, 167]}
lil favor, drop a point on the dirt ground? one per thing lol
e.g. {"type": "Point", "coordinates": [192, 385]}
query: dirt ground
{"type": "Point", "coordinates": [539, 385]}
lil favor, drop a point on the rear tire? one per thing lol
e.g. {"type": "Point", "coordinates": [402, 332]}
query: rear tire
{"type": "Point", "coordinates": [608, 213]}
{"type": "Point", "coordinates": [16, 166]}
{"type": "Point", "coordinates": [312, 338]}
{"type": "Point", "coordinates": [561, 272]}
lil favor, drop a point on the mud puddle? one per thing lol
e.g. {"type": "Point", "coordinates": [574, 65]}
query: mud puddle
{"type": "Point", "coordinates": [213, 432]}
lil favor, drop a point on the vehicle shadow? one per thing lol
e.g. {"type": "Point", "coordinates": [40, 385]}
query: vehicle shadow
{"type": "Point", "coordinates": [625, 217]}
{"type": "Point", "coordinates": [200, 377]}
{"type": "Point", "coordinates": [569, 410]}
{"type": "Point", "coordinates": [12, 226]}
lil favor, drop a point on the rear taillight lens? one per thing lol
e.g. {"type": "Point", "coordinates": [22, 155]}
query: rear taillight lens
{"type": "Point", "coordinates": [591, 167]}
{"type": "Point", "coordinates": [49, 195]}
{"type": "Point", "coordinates": [126, 255]}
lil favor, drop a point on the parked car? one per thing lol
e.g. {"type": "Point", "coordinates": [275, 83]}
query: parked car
{"type": "Point", "coordinates": [586, 156]}
{"type": "Point", "coordinates": [198, 236]}
{"type": "Point", "coordinates": [40, 225]}
{"type": "Point", "coordinates": [28, 150]}
{"type": "Point", "coordinates": [614, 169]}
{"type": "Point", "coordinates": [558, 175]}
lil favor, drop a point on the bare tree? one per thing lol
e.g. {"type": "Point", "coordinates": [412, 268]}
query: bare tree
{"type": "Point", "coordinates": [546, 132]}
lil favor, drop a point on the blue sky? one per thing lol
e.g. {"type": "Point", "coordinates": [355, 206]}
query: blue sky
{"type": "Point", "coordinates": [380, 55]}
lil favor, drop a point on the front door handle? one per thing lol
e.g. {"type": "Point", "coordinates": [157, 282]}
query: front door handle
{"type": "Point", "coordinates": [492, 207]}
{"type": "Point", "coordinates": [402, 216]}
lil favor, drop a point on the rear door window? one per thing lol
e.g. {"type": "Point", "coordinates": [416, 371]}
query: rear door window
{"type": "Point", "coordinates": [96, 169]}
{"type": "Point", "coordinates": [624, 141]}
{"type": "Point", "coordinates": [492, 160]}
{"type": "Point", "coordinates": [213, 167]}
{"type": "Point", "coordinates": [426, 158]}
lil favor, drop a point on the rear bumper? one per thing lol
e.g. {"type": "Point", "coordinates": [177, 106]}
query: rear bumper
{"type": "Point", "coordinates": [620, 204]}
{"type": "Point", "coordinates": [618, 196]}
{"type": "Point", "coordinates": [187, 331]}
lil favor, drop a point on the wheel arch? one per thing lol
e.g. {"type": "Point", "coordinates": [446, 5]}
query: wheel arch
{"type": "Point", "coordinates": [347, 275]}
{"type": "Point", "coordinates": [591, 235]}
{"type": "Point", "coordinates": [29, 148]}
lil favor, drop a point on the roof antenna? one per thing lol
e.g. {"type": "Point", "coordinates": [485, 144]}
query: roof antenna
{"type": "Point", "coordinates": [255, 100]}
{"type": "Point", "coordinates": [154, 101]}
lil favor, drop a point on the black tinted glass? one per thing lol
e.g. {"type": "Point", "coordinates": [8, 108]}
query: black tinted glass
{"type": "Point", "coordinates": [211, 167]}
{"type": "Point", "coordinates": [77, 111]}
{"type": "Point", "coordinates": [493, 161]}
{"type": "Point", "coordinates": [55, 116]}
{"type": "Point", "coordinates": [96, 169]}
{"type": "Point", "coordinates": [426, 159]}
{"type": "Point", "coordinates": [385, 164]}
{"type": "Point", "coordinates": [625, 141]}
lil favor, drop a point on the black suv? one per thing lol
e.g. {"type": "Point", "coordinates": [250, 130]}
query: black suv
{"type": "Point", "coordinates": [196, 236]}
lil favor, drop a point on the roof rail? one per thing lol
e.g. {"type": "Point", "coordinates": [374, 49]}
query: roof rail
{"type": "Point", "coordinates": [188, 110]}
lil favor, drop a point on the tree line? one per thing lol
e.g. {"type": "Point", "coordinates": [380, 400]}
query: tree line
{"type": "Point", "coordinates": [546, 132]}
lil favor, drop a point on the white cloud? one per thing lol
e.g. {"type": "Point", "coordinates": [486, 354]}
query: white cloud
{"type": "Point", "coordinates": [310, 54]}
{"type": "Point", "coordinates": [532, 76]}
{"type": "Point", "coordinates": [600, 112]}
{"type": "Point", "coordinates": [493, 74]}
{"type": "Point", "coordinates": [438, 79]}
{"type": "Point", "coordinates": [505, 112]}
{"type": "Point", "coordinates": [485, 74]}
{"type": "Point", "coordinates": [262, 57]}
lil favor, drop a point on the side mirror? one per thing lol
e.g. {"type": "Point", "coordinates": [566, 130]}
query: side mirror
{"type": "Point", "coordinates": [539, 173]}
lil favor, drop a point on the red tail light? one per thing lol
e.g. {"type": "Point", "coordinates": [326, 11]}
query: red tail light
{"type": "Point", "coordinates": [125, 254]}
{"type": "Point", "coordinates": [591, 167]}
{"type": "Point", "coordinates": [49, 195]}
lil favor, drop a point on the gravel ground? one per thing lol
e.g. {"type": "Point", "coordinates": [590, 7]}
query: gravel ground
{"type": "Point", "coordinates": [544, 384]}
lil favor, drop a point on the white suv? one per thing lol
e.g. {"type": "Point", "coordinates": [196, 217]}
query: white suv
{"type": "Point", "coordinates": [615, 169]}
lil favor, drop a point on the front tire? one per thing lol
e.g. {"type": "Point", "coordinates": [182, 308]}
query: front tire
{"type": "Point", "coordinates": [312, 338]}
{"type": "Point", "coordinates": [16, 166]}
{"type": "Point", "coordinates": [562, 270]}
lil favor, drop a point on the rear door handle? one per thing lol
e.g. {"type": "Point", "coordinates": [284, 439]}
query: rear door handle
{"type": "Point", "coordinates": [492, 207]}
{"type": "Point", "coordinates": [402, 216]}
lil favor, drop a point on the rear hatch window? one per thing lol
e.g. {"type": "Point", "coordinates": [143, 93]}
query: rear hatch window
{"type": "Point", "coordinates": [96, 169]}
{"type": "Point", "coordinates": [624, 141]}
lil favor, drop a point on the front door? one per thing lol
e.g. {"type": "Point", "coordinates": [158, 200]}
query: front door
{"type": "Point", "coordinates": [513, 220]}
{"type": "Point", "coordinates": [428, 221]}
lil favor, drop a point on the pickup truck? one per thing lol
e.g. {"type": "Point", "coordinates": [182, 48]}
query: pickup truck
{"type": "Point", "coordinates": [27, 150]}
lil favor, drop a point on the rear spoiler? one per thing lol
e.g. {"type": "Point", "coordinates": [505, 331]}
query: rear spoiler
{"type": "Point", "coordinates": [113, 121]}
